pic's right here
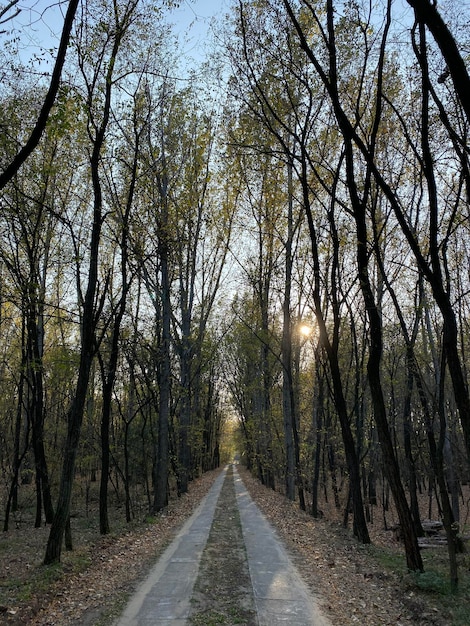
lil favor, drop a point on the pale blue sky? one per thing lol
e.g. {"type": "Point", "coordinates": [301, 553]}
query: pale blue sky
{"type": "Point", "coordinates": [192, 22]}
{"type": "Point", "coordinates": [40, 22]}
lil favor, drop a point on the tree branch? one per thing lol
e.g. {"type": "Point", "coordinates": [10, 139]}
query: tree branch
{"type": "Point", "coordinates": [49, 100]}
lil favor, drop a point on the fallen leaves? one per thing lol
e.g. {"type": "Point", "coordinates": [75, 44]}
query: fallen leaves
{"type": "Point", "coordinates": [115, 566]}
{"type": "Point", "coordinates": [352, 589]}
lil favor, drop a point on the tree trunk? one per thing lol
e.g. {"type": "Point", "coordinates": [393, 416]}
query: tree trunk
{"type": "Point", "coordinates": [91, 309]}
{"type": "Point", "coordinates": [35, 411]}
{"type": "Point", "coordinates": [407, 432]}
{"type": "Point", "coordinates": [108, 383]}
{"type": "Point", "coordinates": [288, 403]}
{"type": "Point", "coordinates": [49, 99]}
{"type": "Point", "coordinates": [127, 474]}
{"type": "Point", "coordinates": [331, 351]}
{"type": "Point", "coordinates": [164, 376]}
{"type": "Point", "coordinates": [317, 424]}
{"type": "Point", "coordinates": [426, 13]}
{"type": "Point", "coordinates": [390, 463]}
{"type": "Point", "coordinates": [74, 421]}
{"type": "Point", "coordinates": [184, 425]}
{"type": "Point", "coordinates": [109, 376]}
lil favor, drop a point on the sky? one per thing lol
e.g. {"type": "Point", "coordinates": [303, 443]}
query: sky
{"type": "Point", "coordinates": [192, 22]}
{"type": "Point", "coordinates": [196, 15]}
{"type": "Point", "coordinates": [40, 23]}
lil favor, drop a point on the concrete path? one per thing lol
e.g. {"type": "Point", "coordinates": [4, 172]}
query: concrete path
{"type": "Point", "coordinates": [281, 597]}
{"type": "Point", "coordinates": [164, 598]}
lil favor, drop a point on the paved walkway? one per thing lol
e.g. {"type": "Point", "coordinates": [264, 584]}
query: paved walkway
{"type": "Point", "coordinates": [281, 597]}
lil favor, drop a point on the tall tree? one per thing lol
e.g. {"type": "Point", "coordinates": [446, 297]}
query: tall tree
{"type": "Point", "coordinates": [122, 192]}
{"type": "Point", "coordinates": [111, 41]}
{"type": "Point", "coordinates": [427, 14]}
{"type": "Point", "coordinates": [429, 262]}
{"type": "Point", "coordinates": [294, 116]}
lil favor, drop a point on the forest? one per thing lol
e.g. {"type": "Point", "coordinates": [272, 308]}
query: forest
{"type": "Point", "coordinates": [264, 254]}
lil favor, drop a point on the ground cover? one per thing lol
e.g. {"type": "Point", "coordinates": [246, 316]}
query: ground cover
{"type": "Point", "coordinates": [366, 585]}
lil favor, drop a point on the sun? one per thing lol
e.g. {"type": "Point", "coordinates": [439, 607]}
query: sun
{"type": "Point", "coordinates": [305, 330]}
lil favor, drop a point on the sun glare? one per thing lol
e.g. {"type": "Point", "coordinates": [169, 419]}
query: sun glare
{"type": "Point", "coordinates": [305, 330]}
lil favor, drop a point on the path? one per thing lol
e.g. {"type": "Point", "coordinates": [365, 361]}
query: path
{"type": "Point", "coordinates": [280, 596]}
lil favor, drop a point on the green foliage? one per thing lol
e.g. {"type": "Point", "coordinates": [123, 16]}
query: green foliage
{"type": "Point", "coordinates": [432, 581]}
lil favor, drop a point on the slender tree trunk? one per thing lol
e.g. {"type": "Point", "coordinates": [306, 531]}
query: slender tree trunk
{"type": "Point", "coordinates": [108, 383]}
{"type": "Point", "coordinates": [317, 430]}
{"type": "Point", "coordinates": [127, 474]}
{"type": "Point", "coordinates": [407, 432]}
{"type": "Point", "coordinates": [91, 310]}
{"type": "Point", "coordinates": [359, 524]}
{"type": "Point", "coordinates": [109, 376]}
{"type": "Point", "coordinates": [426, 13]}
{"type": "Point", "coordinates": [87, 352]}
{"type": "Point", "coordinates": [74, 421]}
{"type": "Point", "coordinates": [35, 411]}
{"type": "Point", "coordinates": [451, 528]}
{"type": "Point", "coordinates": [184, 425]}
{"type": "Point", "coordinates": [49, 99]}
{"type": "Point", "coordinates": [164, 368]}
{"type": "Point", "coordinates": [288, 406]}
{"type": "Point", "coordinates": [12, 502]}
{"type": "Point", "coordinates": [17, 460]}
{"type": "Point", "coordinates": [391, 467]}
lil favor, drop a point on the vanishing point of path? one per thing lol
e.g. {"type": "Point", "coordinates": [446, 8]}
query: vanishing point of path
{"type": "Point", "coordinates": [226, 566]}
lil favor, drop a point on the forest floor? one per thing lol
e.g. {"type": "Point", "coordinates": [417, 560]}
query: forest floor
{"type": "Point", "coordinates": [366, 585]}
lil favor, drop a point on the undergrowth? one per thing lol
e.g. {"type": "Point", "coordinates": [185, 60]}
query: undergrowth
{"type": "Point", "coordinates": [433, 584]}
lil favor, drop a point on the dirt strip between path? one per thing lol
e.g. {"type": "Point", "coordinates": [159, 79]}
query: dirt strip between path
{"type": "Point", "coordinates": [223, 592]}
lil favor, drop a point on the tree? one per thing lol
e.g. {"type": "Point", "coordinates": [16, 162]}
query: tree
{"type": "Point", "coordinates": [111, 44]}
{"type": "Point", "coordinates": [122, 193]}
{"type": "Point", "coordinates": [294, 117]}
{"type": "Point", "coordinates": [427, 14]}
{"type": "Point", "coordinates": [432, 268]}
{"type": "Point", "coordinates": [367, 151]}
{"type": "Point", "coordinates": [201, 221]}
{"type": "Point", "coordinates": [28, 253]}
